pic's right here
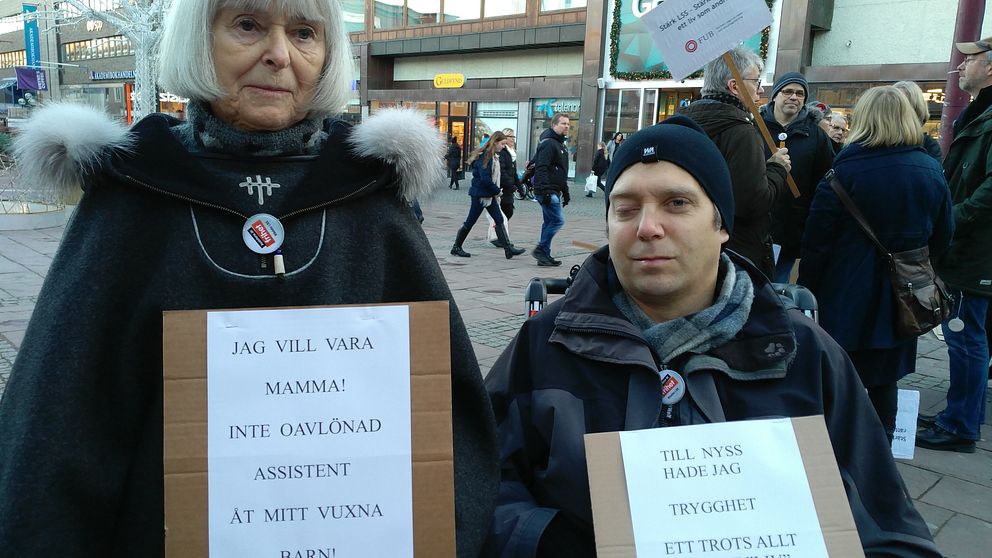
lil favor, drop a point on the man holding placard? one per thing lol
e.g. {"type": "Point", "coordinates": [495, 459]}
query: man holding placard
{"type": "Point", "coordinates": [758, 184]}
{"type": "Point", "coordinates": [661, 328]}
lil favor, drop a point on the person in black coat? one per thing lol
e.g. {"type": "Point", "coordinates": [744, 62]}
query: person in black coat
{"type": "Point", "coordinates": [903, 195]}
{"type": "Point", "coordinates": [600, 164]}
{"type": "Point", "coordinates": [454, 159]}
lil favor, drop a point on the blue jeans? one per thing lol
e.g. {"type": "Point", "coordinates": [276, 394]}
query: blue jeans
{"type": "Point", "coordinates": [783, 269]}
{"type": "Point", "coordinates": [554, 219]}
{"type": "Point", "coordinates": [968, 352]}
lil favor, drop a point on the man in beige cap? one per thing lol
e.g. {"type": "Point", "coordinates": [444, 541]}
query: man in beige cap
{"type": "Point", "coordinates": [967, 265]}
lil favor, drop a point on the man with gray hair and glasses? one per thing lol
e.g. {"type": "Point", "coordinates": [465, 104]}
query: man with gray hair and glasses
{"type": "Point", "coordinates": [757, 183]}
{"type": "Point", "coordinates": [966, 267]}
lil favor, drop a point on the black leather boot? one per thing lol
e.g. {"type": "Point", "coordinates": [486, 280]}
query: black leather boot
{"type": "Point", "coordinates": [509, 250]}
{"type": "Point", "coordinates": [456, 249]}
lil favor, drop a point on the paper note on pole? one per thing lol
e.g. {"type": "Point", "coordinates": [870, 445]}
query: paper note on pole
{"type": "Point", "coordinates": [308, 436]}
{"type": "Point", "coordinates": [727, 489]}
{"type": "Point", "coordinates": [690, 33]}
{"type": "Point", "coordinates": [904, 438]}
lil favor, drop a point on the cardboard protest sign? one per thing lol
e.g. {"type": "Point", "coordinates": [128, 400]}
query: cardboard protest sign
{"type": "Point", "coordinates": [308, 432]}
{"type": "Point", "coordinates": [750, 488]}
{"type": "Point", "coordinates": [690, 33]}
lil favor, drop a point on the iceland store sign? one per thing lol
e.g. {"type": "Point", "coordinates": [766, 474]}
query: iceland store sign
{"type": "Point", "coordinates": [32, 44]}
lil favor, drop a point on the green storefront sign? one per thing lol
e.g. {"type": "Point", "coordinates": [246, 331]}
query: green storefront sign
{"type": "Point", "coordinates": [633, 55]}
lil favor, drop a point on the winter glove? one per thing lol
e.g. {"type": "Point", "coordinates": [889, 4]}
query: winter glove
{"type": "Point", "coordinates": [565, 197]}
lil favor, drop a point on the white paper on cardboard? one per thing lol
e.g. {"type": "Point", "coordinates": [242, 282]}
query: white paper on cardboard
{"type": "Point", "coordinates": [690, 33]}
{"type": "Point", "coordinates": [720, 490]}
{"type": "Point", "coordinates": [904, 439]}
{"type": "Point", "coordinates": [309, 437]}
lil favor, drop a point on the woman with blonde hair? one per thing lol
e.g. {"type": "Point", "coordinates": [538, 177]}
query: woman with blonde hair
{"type": "Point", "coordinates": [914, 95]}
{"type": "Point", "coordinates": [509, 182]}
{"type": "Point", "coordinates": [902, 194]}
{"type": "Point", "coordinates": [485, 191]}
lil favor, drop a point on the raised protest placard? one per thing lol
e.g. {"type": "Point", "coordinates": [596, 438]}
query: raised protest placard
{"type": "Point", "coordinates": [737, 489]}
{"type": "Point", "coordinates": [690, 33]}
{"type": "Point", "coordinates": [308, 432]}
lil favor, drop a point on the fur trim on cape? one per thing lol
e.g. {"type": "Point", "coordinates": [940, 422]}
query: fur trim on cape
{"type": "Point", "coordinates": [404, 139]}
{"type": "Point", "coordinates": [62, 143]}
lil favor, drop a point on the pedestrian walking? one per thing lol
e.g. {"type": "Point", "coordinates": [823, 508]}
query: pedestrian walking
{"type": "Point", "coordinates": [613, 145]}
{"type": "Point", "coordinates": [902, 194]}
{"type": "Point", "coordinates": [454, 159]}
{"type": "Point", "coordinates": [600, 164]}
{"type": "Point", "coordinates": [509, 185]}
{"type": "Point", "coordinates": [484, 194]}
{"type": "Point", "coordinates": [551, 185]}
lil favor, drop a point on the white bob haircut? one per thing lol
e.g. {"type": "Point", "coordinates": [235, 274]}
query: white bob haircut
{"type": "Point", "coordinates": [186, 64]}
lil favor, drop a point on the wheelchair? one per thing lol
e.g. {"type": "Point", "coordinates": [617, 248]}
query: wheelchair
{"type": "Point", "coordinates": [538, 289]}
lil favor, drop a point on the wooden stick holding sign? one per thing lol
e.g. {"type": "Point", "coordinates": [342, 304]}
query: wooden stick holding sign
{"type": "Point", "coordinates": [749, 102]}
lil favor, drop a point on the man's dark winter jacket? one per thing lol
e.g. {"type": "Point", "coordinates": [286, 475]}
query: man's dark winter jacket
{"type": "Point", "coordinates": [81, 450]}
{"type": "Point", "coordinates": [902, 193]}
{"type": "Point", "coordinates": [758, 184]}
{"type": "Point", "coordinates": [812, 153]}
{"type": "Point", "coordinates": [580, 366]}
{"type": "Point", "coordinates": [968, 167]}
{"type": "Point", "coordinates": [551, 164]}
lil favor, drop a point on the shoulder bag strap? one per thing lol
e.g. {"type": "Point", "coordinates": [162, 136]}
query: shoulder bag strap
{"type": "Point", "coordinates": [831, 179]}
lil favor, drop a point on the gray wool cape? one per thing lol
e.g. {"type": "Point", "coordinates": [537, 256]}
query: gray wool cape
{"type": "Point", "coordinates": [81, 419]}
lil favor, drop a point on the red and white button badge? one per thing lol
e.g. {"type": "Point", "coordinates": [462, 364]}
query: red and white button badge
{"type": "Point", "coordinates": [263, 233]}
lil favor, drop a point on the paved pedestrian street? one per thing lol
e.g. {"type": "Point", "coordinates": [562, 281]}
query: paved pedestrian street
{"type": "Point", "coordinates": [953, 491]}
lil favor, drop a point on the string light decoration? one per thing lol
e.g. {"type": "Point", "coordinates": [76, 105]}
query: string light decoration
{"type": "Point", "coordinates": [663, 74]}
{"type": "Point", "coordinates": [138, 20]}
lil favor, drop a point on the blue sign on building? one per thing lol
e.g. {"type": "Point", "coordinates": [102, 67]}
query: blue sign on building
{"type": "Point", "coordinates": [32, 43]}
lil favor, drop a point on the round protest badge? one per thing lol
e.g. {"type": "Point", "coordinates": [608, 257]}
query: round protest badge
{"type": "Point", "coordinates": [263, 233]}
{"type": "Point", "coordinates": [672, 387]}
{"type": "Point", "coordinates": [956, 325]}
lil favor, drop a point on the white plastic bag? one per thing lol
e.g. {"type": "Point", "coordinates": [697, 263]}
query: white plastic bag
{"type": "Point", "coordinates": [491, 235]}
{"type": "Point", "coordinates": [590, 184]}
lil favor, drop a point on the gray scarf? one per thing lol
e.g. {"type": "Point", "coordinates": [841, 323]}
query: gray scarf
{"type": "Point", "coordinates": [704, 330]}
{"type": "Point", "coordinates": [205, 132]}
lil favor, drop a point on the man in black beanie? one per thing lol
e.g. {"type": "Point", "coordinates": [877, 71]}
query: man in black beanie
{"type": "Point", "coordinates": [664, 305]}
{"type": "Point", "coordinates": [811, 154]}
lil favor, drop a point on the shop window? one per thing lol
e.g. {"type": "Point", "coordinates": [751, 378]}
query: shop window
{"type": "Point", "coordinates": [552, 5]}
{"type": "Point", "coordinates": [648, 114]}
{"type": "Point", "coordinates": [353, 12]}
{"type": "Point", "coordinates": [490, 117]}
{"type": "Point", "coordinates": [460, 10]}
{"type": "Point", "coordinates": [388, 14]}
{"type": "Point", "coordinates": [498, 8]}
{"type": "Point", "coordinates": [611, 113]}
{"type": "Point", "coordinates": [630, 110]}
{"type": "Point", "coordinates": [13, 58]}
{"type": "Point", "coordinates": [422, 12]}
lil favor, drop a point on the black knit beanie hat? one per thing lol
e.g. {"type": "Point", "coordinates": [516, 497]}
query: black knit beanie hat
{"type": "Point", "coordinates": [680, 141]}
{"type": "Point", "coordinates": [786, 79]}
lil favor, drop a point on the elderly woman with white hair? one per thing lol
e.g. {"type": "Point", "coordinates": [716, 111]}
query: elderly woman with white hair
{"type": "Point", "coordinates": [164, 225]}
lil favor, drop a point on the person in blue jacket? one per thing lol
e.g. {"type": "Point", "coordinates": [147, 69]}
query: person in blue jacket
{"type": "Point", "coordinates": [901, 191]}
{"type": "Point", "coordinates": [485, 192]}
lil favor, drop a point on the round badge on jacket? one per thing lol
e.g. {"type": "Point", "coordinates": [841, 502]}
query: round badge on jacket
{"type": "Point", "coordinates": [263, 233]}
{"type": "Point", "coordinates": [672, 387]}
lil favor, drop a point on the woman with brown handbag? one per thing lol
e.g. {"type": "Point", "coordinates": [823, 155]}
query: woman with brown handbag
{"type": "Point", "coordinates": [902, 194]}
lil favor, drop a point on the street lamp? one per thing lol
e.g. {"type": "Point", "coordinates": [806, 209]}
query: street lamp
{"type": "Point", "coordinates": [28, 101]}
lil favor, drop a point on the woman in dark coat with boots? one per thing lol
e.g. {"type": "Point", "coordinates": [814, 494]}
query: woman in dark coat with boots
{"type": "Point", "coordinates": [454, 159]}
{"type": "Point", "coordinates": [484, 192]}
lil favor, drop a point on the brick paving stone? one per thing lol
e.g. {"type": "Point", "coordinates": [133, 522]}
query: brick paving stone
{"type": "Point", "coordinates": [964, 497]}
{"type": "Point", "coordinates": [964, 537]}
